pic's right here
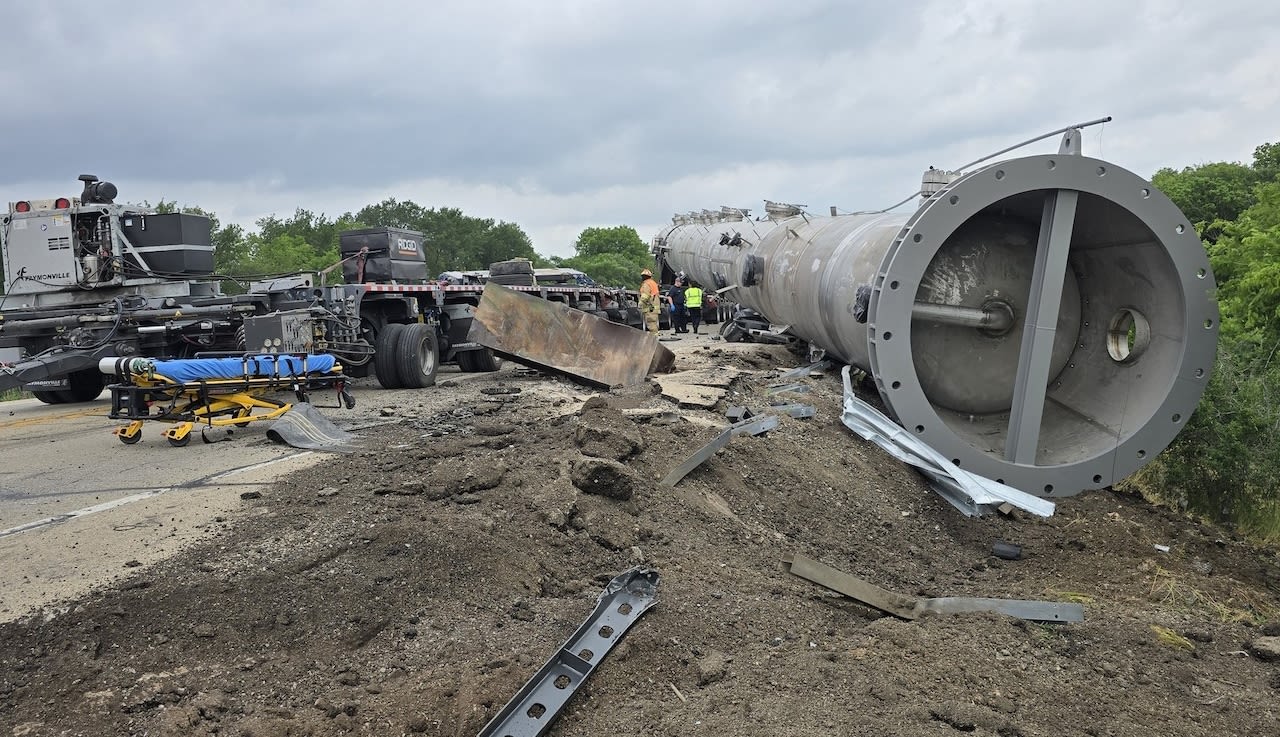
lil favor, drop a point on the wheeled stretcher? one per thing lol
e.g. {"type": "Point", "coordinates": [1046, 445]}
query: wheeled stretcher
{"type": "Point", "coordinates": [214, 392]}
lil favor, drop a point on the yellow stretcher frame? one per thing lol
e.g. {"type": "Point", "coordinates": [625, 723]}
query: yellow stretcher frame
{"type": "Point", "coordinates": [211, 403]}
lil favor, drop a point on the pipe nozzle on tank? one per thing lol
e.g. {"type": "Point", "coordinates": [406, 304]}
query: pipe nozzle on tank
{"type": "Point", "coordinates": [994, 316]}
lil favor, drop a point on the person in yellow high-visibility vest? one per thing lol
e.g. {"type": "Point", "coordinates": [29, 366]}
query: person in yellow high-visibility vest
{"type": "Point", "coordinates": [649, 302]}
{"type": "Point", "coordinates": [693, 302]}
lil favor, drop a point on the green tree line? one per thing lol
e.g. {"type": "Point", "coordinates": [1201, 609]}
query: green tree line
{"type": "Point", "coordinates": [308, 241]}
{"type": "Point", "coordinates": [1225, 465]}
{"type": "Point", "coordinates": [454, 241]}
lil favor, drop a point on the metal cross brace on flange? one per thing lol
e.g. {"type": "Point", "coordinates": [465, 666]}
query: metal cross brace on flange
{"type": "Point", "coordinates": [536, 705]}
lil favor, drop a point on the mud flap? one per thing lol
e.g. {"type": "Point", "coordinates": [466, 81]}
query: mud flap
{"type": "Point", "coordinates": [304, 427]}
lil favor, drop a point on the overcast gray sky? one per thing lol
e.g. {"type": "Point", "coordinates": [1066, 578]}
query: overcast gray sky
{"type": "Point", "coordinates": [561, 114]}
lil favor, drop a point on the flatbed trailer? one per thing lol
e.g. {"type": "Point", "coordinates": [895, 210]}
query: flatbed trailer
{"type": "Point", "coordinates": [88, 278]}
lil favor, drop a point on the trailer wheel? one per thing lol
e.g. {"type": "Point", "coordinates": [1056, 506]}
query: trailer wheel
{"type": "Point", "coordinates": [634, 318]}
{"type": "Point", "coordinates": [52, 397]}
{"type": "Point", "coordinates": [467, 362]}
{"type": "Point", "coordinates": [484, 361]}
{"type": "Point", "coordinates": [384, 355]}
{"type": "Point", "coordinates": [82, 386]}
{"type": "Point", "coordinates": [417, 356]}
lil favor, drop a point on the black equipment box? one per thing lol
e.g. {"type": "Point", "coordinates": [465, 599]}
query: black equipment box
{"type": "Point", "coordinates": [172, 244]}
{"type": "Point", "coordinates": [394, 254]}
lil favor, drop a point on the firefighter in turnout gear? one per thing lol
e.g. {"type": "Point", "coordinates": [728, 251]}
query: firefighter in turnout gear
{"type": "Point", "coordinates": [649, 303]}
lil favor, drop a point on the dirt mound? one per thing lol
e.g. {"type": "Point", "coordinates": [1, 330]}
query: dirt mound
{"type": "Point", "coordinates": [414, 586]}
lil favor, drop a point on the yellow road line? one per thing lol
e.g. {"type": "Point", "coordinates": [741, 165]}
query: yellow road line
{"type": "Point", "coordinates": [47, 419]}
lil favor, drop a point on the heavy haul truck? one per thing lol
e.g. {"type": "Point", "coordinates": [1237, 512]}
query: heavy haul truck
{"type": "Point", "coordinates": [87, 277]}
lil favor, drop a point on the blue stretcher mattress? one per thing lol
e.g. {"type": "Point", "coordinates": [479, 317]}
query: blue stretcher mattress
{"type": "Point", "coordinates": [186, 370]}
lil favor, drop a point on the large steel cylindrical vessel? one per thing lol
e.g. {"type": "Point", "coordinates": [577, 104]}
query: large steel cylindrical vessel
{"type": "Point", "coordinates": [1046, 321]}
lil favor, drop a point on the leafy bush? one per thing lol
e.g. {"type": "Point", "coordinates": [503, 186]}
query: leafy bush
{"type": "Point", "coordinates": [1225, 465]}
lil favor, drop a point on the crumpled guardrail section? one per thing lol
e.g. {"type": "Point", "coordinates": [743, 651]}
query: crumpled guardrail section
{"type": "Point", "coordinates": [536, 705]}
{"type": "Point", "coordinates": [972, 494]}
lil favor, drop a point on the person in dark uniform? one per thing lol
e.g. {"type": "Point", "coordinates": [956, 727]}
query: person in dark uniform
{"type": "Point", "coordinates": [680, 314]}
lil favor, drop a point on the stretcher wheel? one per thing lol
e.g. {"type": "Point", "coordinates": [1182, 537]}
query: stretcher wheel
{"type": "Point", "coordinates": [243, 413]}
{"type": "Point", "coordinates": [179, 442]}
{"type": "Point", "coordinates": [130, 439]}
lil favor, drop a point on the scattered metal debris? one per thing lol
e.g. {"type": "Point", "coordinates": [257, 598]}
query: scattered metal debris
{"type": "Point", "coordinates": [911, 607]}
{"type": "Point", "coordinates": [738, 414]}
{"type": "Point", "coordinates": [972, 494]}
{"type": "Point", "coordinates": [751, 426]}
{"type": "Point", "coordinates": [802, 371]}
{"type": "Point", "coordinates": [531, 712]}
{"type": "Point", "coordinates": [305, 427]}
{"type": "Point", "coordinates": [551, 336]}
{"type": "Point", "coordinates": [1007, 551]}
{"type": "Point", "coordinates": [496, 390]}
{"type": "Point", "coordinates": [681, 696]}
{"type": "Point", "coordinates": [754, 426]}
{"type": "Point", "coordinates": [798, 411]}
{"type": "Point", "coordinates": [456, 421]}
{"type": "Point", "coordinates": [699, 457]}
{"type": "Point", "coordinates": [792, 388]}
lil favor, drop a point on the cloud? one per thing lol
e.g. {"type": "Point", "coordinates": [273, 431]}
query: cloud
{"type": "Point", "coordinates": [559, 115]}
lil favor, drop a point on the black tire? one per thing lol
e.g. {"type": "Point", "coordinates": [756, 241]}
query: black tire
{"type": "Point", "coordinates": [52, 397]}
{"type": "Point", "coordinates": [417, 356]}
{"type": "Point", "coordinates": [507, 268]}
{"type": "Point", "coordinates": [83, 386]}
{"type": "Point", "coordinates": [514, 280]}
{"type": "Point", "coordinates": [385, 350]}
{"type": "Point", "coordinates": [130, 439]}
{"type": "Point", "coordinates": [181, 442]}
{"type": "Point", "coordinates": [467, 362]}
{"type": "Point", "coordinates": [485, 361]}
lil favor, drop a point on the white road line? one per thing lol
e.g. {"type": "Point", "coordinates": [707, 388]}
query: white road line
{"type": "Point", "coordinates": [104, 506]}
{"type": "Point", "coordinates": [82, 512]}
{"type": "Point", "coordinates": [256, 466]}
